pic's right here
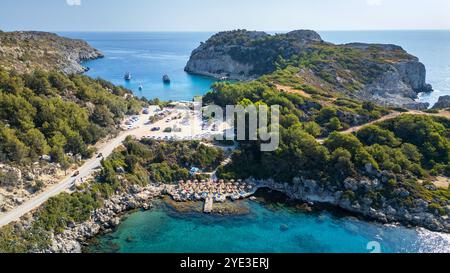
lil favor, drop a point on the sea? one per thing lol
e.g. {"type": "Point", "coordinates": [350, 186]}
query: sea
{"type": "Point", "coordinates": [265, 228]}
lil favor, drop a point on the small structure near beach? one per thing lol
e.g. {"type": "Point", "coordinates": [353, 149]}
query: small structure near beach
{"type": "Point", "coordinates": [211, 191]}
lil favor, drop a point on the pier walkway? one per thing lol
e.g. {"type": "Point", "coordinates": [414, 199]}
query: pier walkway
{"type": "Point", "coordinates": [208, 205]}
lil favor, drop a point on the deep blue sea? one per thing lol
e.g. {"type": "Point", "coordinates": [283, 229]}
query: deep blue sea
{"type": "Point", "coordinates": [148, 56]}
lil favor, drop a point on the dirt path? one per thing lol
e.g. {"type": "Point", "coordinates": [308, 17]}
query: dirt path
{"type": "Point", "coordinates": [442, 113]}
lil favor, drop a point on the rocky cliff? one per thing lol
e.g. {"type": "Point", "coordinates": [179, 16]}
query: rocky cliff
{"type": "Point", "coordinates": [26, 51]}
{"type": "Point", "coordinates": [385, 74]}
{"type": "Point", "coordinates": [418, 213]}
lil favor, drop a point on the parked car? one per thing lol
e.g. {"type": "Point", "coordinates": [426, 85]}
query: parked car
{"type": "Point", "coordinates": [77, 173]}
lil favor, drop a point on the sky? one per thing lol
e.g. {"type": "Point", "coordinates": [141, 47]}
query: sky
{"type": "Point", "coordinates": [216, 15]}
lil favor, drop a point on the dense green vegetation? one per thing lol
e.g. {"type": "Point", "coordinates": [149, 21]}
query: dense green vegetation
{"type": "Point", "coordinates": [50, 113]}
{"type": "Point", "coordinates": [315, 118]}
{"type": "Point", "coordinates": [137, 163]}
{"type": "Point", "coordinates": [345, 67]}
{"type": "Point", "coordinates": [54, 217]}
{"type": "Point", "coordinates": [402, 150]}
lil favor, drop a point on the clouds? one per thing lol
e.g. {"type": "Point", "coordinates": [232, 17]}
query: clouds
{"type": "Point", "coordinates": [73, 2]}
{"type": "Point", "coordinates": [374, 2]}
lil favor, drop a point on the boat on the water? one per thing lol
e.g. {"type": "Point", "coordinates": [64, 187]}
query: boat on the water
{"type": "Point", "coordinates": [141, 87]}
{"type": "Point", "coordinates": [166, 79]}
{"type": "Point", "coordinates": [127, 76]}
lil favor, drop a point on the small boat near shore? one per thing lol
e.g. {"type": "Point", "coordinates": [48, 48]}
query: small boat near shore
{"type": "Point", "coordinates": [166, 79]}
{"type": "Point", "coordinates": [127, 76]}
{"type": "Point", "coordinates": [141, 87]}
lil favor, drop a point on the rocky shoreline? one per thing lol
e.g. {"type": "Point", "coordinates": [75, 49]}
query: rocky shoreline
{"type": "Point", "coordinates": [104, 219]}
{"type": "Point", "coordinates": [382, 73]}
{"type": "Point", "coordinates": [311, 191]}
{"type": "Point", "coordinates": [107, 218]}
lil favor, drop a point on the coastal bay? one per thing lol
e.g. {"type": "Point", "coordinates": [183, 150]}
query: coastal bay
{"type": "Point", "coordinates": [270, 225]}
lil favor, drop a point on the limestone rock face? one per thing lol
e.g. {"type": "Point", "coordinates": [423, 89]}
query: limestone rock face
{"type": "Point", "coordinates": [25, 51]}
{"type": "Point", "coordinates": [382, 73]}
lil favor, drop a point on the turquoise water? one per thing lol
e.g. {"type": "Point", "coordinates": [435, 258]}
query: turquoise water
{"type": "Point", "coordinates": [432, 47]}
{"type": "Point", "coordinates": [150, 55]}
{"type": "Point", "coordinates": [147, 56]}
{"type": "Point", "coordinates": [163, 230]}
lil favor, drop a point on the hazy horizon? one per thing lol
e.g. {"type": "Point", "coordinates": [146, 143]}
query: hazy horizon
{"type": "Point", "coordinates": [219, 15]}
{"type": "Point", "coordinates": [216, 31]}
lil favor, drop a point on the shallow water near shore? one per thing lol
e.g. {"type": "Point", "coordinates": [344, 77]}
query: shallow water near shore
{"type": "Point", "coordinates": [267, 227]}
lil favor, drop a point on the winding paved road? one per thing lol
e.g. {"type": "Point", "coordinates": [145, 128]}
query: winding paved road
{"type": "Point", "coordinates": [85, 170]}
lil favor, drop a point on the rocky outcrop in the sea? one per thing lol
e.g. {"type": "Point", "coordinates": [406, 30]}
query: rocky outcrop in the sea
{"type": "Point", "coordinates": [24, 51]}
{"type": "Point", "coordinates": [385, 74]}
{"type": "Point", "coordinates": [419, 213]}
{"type": "Point", "coordinates": [443, 103]}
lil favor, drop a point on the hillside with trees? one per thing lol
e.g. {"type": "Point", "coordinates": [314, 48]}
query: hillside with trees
{"type": "Point", "coordinates": [26, 51]}
{"type": "Point", "coordinates": [381, 73]}
{"type": "Point", "coordinates": [49, 113]}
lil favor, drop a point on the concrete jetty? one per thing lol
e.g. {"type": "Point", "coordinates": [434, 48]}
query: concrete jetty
{"type": "Point", "coordinates": [208, 205]}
